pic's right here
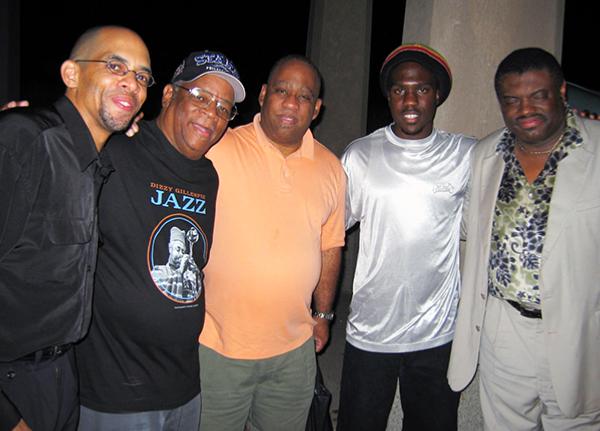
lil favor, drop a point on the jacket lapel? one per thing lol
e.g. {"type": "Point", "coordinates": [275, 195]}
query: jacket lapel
{"type": "Point", "coordinates": [492, 168]}
{"type": "Point", "coordinates": [570, 177]}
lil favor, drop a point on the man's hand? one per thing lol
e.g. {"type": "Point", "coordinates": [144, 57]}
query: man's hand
{"type": "Point", "coordinates": [14, 104]}
{"type": "Point", "coordinates": [586, 114]}
{"type": "Point", "coordinates": [321, 334]}
{"type": "Point", "coordinates": [21, 426]}
{"type": "Point", "coordinates": [134, 128]}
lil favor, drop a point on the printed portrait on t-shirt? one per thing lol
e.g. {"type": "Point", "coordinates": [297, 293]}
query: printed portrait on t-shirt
{"type": "Point", "coordinates": [176, 252]}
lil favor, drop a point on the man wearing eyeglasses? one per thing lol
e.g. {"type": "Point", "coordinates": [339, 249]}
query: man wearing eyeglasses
{"type": "Point", "coordinates": [51, 172]}
{"type": "Point", "coordinates": [139, 363]}
{"type": "Point", "coordinates": [277, 245]}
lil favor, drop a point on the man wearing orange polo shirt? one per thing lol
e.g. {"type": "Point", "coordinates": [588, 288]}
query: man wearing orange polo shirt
{"type": "Point", "coordinates": [277, 245]}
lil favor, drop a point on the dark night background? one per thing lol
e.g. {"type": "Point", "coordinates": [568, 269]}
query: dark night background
{"type": "Point", "coordinates": [252, 34]}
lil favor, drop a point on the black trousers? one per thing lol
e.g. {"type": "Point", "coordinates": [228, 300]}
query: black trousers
{"type": "Point", "coordinates": [43, 391]}
{"type": "Point", "coordinates": [368, 389]}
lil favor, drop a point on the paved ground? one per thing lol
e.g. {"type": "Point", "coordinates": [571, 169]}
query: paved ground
{"type": "Point", "coordinates": [331, 366]}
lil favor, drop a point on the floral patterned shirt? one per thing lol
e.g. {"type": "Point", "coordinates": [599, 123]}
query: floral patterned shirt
{"type": "Point", "coordinates": [520, 220]}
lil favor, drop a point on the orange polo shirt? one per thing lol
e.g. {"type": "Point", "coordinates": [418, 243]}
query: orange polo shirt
{"type": "Point", "coordinates": [274, 216]}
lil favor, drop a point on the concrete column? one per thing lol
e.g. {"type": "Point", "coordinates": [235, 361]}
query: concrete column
{"type": "Point", "coordinates": [474, 36]}
{"type": "Point", "coordinates": [9, 50]}
{"type": "Point", "coordinates": [338, 42]}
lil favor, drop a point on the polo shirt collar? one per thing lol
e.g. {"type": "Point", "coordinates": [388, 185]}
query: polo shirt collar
{"type": "Point", "coordinates": [306, 150]}
{"type": "Point", "coordinates": [82, 143]}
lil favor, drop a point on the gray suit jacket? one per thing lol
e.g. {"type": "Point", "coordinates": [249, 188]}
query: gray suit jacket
{"type": "Point", "coordinates": [570, 271]}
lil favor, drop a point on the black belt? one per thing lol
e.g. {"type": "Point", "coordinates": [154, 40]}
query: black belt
{"type": "Point", "coordinates": [47, 353]}
{"type": "Point", "coordinates": [532, 314]}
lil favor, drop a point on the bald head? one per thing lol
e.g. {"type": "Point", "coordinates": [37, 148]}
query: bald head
{"type": "Point", "coordinates": [93, 38]}
{"type": "Point", "coordinates": [297, 58]}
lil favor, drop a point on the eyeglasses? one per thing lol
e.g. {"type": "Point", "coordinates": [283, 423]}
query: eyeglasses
{"type": "Point", "coordinates": [117, 67]}
{"type": "Point", "coordinates": [205, 98]}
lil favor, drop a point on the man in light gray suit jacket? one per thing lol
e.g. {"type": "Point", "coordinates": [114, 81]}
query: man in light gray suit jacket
{"type": "Point", "coordinates": [530, 301]}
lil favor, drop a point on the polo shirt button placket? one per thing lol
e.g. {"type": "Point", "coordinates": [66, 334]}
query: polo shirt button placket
{"type": "Point", "coordinates": [286, 177]}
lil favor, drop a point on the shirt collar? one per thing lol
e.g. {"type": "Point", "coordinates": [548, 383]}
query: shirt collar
{"type": "Point", "coordinates": [306, 150]}
{"type": "Point", "coordinates": [82, 142]}
{"type": "Point", "coordinates": [419, 144]}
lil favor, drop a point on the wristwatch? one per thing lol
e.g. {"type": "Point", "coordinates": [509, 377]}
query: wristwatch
{"type": "Point", "coordinates": [327, 315]}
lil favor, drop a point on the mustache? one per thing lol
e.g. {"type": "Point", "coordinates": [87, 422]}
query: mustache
{"type": "Point", "coordinates": [122, 92]}
{"type": "Point", "coordinates": [532, 116]}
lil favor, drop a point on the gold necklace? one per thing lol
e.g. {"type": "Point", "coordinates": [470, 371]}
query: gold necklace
{"type": "Point", "coordinates": [541, 153]}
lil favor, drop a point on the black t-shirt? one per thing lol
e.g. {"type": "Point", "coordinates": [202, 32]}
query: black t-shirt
{"type": "Point", "coordinates": [156, 216]}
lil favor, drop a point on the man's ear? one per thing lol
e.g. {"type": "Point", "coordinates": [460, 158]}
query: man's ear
{"type": "Point", "coordinates": [262, 94]}
{"type": "Point", "coordinates": [70, 73]}
{"type": "Point", "coordinates": [168, 94]}
{"type": "Point", "coordinates": [318, 105]}
{"type": "Point", "coordinates": [563, 91]}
